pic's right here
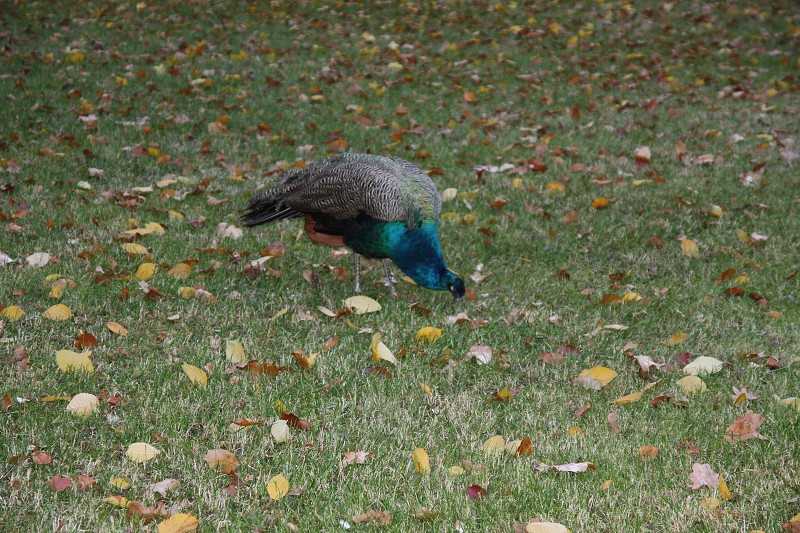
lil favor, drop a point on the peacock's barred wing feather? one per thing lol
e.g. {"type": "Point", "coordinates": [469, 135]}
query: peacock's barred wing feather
{"type": "Point", "coordinates": [346, 185]}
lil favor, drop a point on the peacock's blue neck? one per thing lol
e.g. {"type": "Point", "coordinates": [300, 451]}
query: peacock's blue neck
{"type": "Point", "coordinates": [415, 251]}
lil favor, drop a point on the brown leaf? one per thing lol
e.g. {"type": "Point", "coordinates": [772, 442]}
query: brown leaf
{"type": "Point", "coordinates": [41, 458]}
{"type": "Point", "coordinates": [359, 457]}
{"type": "Point", "coordinates": [525, 447]}
{"type": "Point", "coordinates": [59, 483]}
{"type": "Point", "coordinates": [246, 423]}
{"type": "Point", "coordinates": [703, 475]}
{"type": "Point", "coordinates": [6, 402]}
{"type": "Point", "coordinates": [86, 341]}
{"type": "Point", "coordinates": [379, 518]}
{"type": "Point", "coordinates": [470, 98]}
{"type": "Point", "coordinates": [476, 492]}
{"type": "Point", "coordinates": [222, 460]}
{"type": "Point", "coordinates": [19, 356]}
{"type": "Point", "coordinates": [613, 421]}
{"type": "Point", "coordinates": [85, 482]}
{"type": "Point", "coordinates": [295, 422]}
{"type": "Point", "coordinates": [734, 291]}
{"type": "Point", "coordinates": [745, 427]}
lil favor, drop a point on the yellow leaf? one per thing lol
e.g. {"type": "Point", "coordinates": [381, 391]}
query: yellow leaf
{"type": "Point", "coordinates": [703, 365]}
{"type": "Point", "coordinates": [56, 291]}
{"type": "Point", "coordinates": [195, 375]}
{"type": "Point", "coordinates": [426, 389]}
{"type": "Point", "coordinates": [692, 385]}
{"type": "Point", "coordinates": [133, 248]}
{"type": "Point", "coordinates": [234, 352]}
{"type": "Point", "coordinates": [676, 339]}
{"type": "Point", "coordinates": [606, 484]}
{"type": "Point", "coordinates": [362, 304]}
{"type": "Point", "coordinates": [141, 452]}
{"type": "Point", "coordinates": [554, 187]}
{"type": "Point", "coordinates": [629, 398]}
{"type": "Point", "coordinates": [76, 57]}
{"type": "Point", "coordinates": [597, 377]}
{"type": "Point", "coordinates": [187, 292]}
{"type": "Point", "coordinates": [709, 504]}
{"type": "Point", "coordinates": [117, 501]}
{"type": "Point", "coordinates": [155, 228]}
{"type": "Point", "coordinates": [792, 403]}
{"type": "Point", "coordinates": [631, 297]}
{"type": "Point", "coordinates": [145, 271]}
{"type": "Point", "coordinates": [180, 271]}
{"type": "Point", "coordinates": [647, 452]}
{"type": "Point", "coordinates": [689, 248]}
{"type": "Point", "coordinates": [428, 333]}
{"type": "Point", "coordinates": [179, 523]}
{"type": "Point", "coordinates": [724, 492]}
{"type": "Point", "coordinates": [381, 351]}
{"type": "Point", "coordinates": [455, 471]}
{"type": "Point", "coordinates": [422, 462]}
{"type": "Point", "coordinates": [120, 483]}
{"type": "Point", "coordinates": [83, 404]}
{"type": "Point", "coordinates": [222, 460]}
{"type": "Point", "coordinates": [545, 527]}
{"type": "Point", "coordinates": [278, 487]}
{"type": "Point", "coordinates": [13, 313]}
{"type": "Point", "coordinates": [58, 312]}
{"type": "Point", "coordinates": [494, 445]}
{"type": "Point", "coordinates": [575, 432]}
{"type": "Point", "coordinates": [119, 329]}
{"type": "Point", "coordinates": [68, 360]}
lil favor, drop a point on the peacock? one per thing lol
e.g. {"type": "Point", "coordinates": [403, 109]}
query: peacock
{"type": "Point", "coordinates": [379, 207]}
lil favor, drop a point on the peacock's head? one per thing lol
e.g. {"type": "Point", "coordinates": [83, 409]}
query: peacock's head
{"type": "Point", "coordinates": [455, 285]}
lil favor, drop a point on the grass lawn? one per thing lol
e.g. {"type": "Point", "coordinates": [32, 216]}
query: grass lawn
{"type": "Point", "coordinates": [626, 184]}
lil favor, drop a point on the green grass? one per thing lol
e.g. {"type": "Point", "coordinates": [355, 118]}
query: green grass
{"type": "Point", "coordinates": [645, 74]}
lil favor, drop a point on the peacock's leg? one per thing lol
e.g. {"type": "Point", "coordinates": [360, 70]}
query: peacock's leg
{"type": "Point", "coordinates": [390, 275]}
{"type": "Point", "coordinates": [356, 277]}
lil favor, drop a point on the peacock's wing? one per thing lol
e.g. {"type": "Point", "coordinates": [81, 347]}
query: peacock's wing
{"type": "Point", "coordinates": [347, 185]}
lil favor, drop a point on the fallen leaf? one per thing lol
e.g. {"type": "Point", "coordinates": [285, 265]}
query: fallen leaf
{"type": "Point", "coordinates": [545, 527]}
{"type": "Point", "coordinates": [422, 463]}
{"type": "Point", "coordinates": [648, 452]}
{"type": "Point", "coordinates": [234, 352]}
{"type": "Point", "coordinates": [68, 360]}
{"type": "Point", "coordinates": [724, 492]}
{"type": "Point", "coordinates": [597, 377]}
{"type": "Point", "coordinates": [179, 523]}
{"type": "Point", "coordinates": [222, 460]}
{"type": "Point", "coordinates": [494, 445]}
{"type": "Point", "coordinates": [85, 483]}
{"type": "Point", "coordinates": [689, 248]}
{"type": "Point", "coordinates": [134, 249]}
{"type": "Point", "coordinates": [359, 457]}
{"type": "Point", "coordinates": [629, 398]}
{"type": "Point", "coordinates": [703, 365]}
{"type": "Point", "coordinates": [197, 376]}
{"type": "Point", "coordinates": [165, 485]}
{"type": "Point", "coordinates": [381, 351]}
{"type": "Point", "coordinates": [278, 487]}
{"type": "Point", "coordinates": [117, 501]}
{"type": "Point", "coordinates": [145, 271]}
{"type": "Point", "coordinates": [379, 518]}
{"type": "Point", "coordinates": [481, 352]}
{"type": "Point", "coordinates": [280, 431]}
{"type": "Point", "coordinates": [692, 385]}
{"type": "Point", "coordinates": [428, 334]}
{"type": "Point", "coordinates": [59, 483]}
{"type": "Point", "coordinates": [59, 312]}
{"type": "Point", "coordinates": [141, 452]}
{"type": "Point", "coordinates": [745, 427]}
{"type": "Point", "coordinates": [119, 329]}
{"type": "Point", "coordinates": [575, 467]}
{"type": "Point", "coordinates": [13, 313]}
{"type": "Point", "coordinates": [38, 260]}
{"type": "Point", "coordinates": [476, 492]}
{"type": "Point", "coordinates": [83, 404]}
{"type": "Point", "coordinates": [613, 421]}
{"type": "Point", "coordinates": [362, 304]}
{"type": "Point", "coordinates": [703, 475]}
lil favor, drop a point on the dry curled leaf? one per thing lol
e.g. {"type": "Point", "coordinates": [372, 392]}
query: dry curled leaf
{"type": "Point", "coordinates": [745, 427]}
